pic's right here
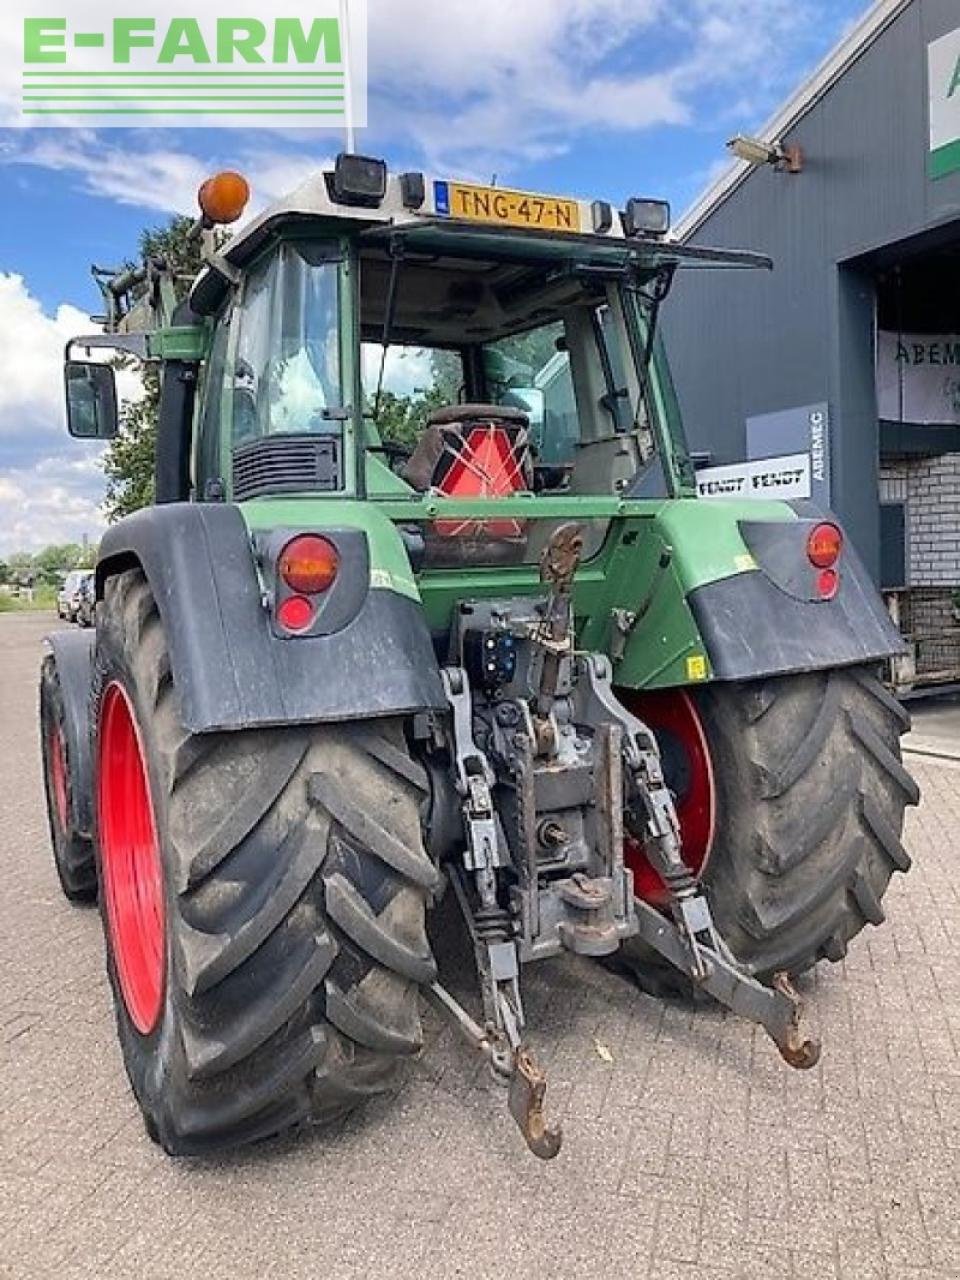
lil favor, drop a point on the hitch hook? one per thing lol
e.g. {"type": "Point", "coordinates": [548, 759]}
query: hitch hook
{"type": "Point", "coordinates": [528, 1084]}
{"type": "Point", "coordinates": [795, 1048]}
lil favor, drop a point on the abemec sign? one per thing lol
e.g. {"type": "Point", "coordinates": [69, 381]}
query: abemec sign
{"type": "Point", "coordinates": [235, 63]}
{"type": "Point", "coordinates": [943, 69]}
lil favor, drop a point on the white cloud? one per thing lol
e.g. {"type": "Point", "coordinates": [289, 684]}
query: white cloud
{"type": "Point", "coordinates": [50, 486]}
{"type": "Point", "coordinates": [491, 87]}
{"type": "Point", "coordinates": [31, 358]}
{"type": "Point", "coordinates": [55, 501]}
{"type": "Point", "coordinates": [406, 370]}
{"type": "Point", "coordinates": [480, 88]}
{"type": "Point", "coordinates": [154, 175]}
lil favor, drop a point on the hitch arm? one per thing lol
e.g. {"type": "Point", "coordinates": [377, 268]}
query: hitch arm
{"type": "Point", "coordinates": [777, 1009]}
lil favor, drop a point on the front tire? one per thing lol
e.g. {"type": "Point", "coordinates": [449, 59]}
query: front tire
{"type": "Point", "coordinates": [294, 889]}
{"type": "Point", "coordinates": [72, 848]}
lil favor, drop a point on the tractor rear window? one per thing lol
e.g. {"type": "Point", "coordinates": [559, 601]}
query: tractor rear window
{"type": "Point", "coordinates": [404, 385]}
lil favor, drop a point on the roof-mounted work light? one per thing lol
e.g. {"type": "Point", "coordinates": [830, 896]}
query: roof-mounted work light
{"type": "Point", "coordinates": [359, 180]}
{"type": "Point", "coordinates": [646, 217]}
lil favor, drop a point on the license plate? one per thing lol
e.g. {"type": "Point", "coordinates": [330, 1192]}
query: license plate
{"type": "Point", "coordinates": [506, 208]}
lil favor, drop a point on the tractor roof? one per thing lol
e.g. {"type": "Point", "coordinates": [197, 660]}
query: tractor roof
{"type": "Point", "coordinates": [454, 220]}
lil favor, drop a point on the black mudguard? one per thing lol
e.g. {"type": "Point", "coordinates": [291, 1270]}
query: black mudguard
{"type": "Point", "coordinates": [229, 669]}
{"type": "Point", "coordinates": [771, 621]}
{"type": "Point", "coordinates": [73, 654]}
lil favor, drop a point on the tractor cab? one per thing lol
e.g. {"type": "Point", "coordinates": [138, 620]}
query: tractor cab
{"type": "Point", "coordinates": [478, 344]}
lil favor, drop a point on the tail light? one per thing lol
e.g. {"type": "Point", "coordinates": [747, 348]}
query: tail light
{"type": "Point", "coordinates": [309, 564]}
{"type": "Point", "coordinates": [296, 613]}
{"type": "Point", "coordinates": [824, 545]}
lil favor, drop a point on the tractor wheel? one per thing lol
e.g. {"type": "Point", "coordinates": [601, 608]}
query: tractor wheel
{"type": "Point", "coordinates": [264, 897]}
{"type": "Point", "coordinates": [72, 849]}
{"type": "Point", "coordinates": [804, 795]}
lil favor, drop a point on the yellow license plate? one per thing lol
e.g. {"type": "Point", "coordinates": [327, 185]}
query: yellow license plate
{"type": "Point", "coordinates": [507, 208]}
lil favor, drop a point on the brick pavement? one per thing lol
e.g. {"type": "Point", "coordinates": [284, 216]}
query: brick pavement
{"type": "Point", "coordinates": [694, 1153]}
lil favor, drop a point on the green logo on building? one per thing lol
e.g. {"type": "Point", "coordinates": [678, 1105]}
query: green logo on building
{"type": "Point", "coordinates": [943, 67]}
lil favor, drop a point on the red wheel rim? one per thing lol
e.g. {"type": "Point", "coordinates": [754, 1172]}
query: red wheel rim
{"type": "Point", "coordinates": [673, 717]}
{"type": "Point", "coordinates": [57, 755]}
{"type": "Point", "coordinates": [130, 861]}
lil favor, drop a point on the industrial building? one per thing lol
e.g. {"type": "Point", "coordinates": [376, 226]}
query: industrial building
{"type": "Point", "coordinates": [843, 363]}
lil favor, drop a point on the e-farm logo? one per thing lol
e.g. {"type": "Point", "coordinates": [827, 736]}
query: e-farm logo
{"type": "Point", "coordinates": [298, 64]}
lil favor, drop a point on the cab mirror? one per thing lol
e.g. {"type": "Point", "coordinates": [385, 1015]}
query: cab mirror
{"type": "Point", "coordinates": [91, 392]}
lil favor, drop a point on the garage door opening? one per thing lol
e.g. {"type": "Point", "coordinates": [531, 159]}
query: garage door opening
{"type": "Point", "coordinates": [918, 407]}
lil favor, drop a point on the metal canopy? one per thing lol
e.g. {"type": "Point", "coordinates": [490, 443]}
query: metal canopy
{"type": "Point", "coordinates": [516, 244]}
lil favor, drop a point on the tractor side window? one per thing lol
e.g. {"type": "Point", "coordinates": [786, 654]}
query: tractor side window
{"type": "Point", "coordinates": [208, 464]}
{"type": "Point", "coordinates": [531, 371]}
{"type": "Point", "coordinates": [286, 369]}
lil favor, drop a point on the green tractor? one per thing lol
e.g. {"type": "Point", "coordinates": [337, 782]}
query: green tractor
{"type": "Point", "coordinates": [427, 605]}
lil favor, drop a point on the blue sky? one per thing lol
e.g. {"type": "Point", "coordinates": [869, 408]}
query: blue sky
{"type": "Point", "coordinates": [608, 98]}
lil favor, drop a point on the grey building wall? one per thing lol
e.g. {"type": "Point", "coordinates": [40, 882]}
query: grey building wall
{"type": "Point", "coordinates": [753, 343]}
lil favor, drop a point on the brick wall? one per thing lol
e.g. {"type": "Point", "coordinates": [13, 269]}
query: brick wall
{"type": "Point", "coordinates": [931, 489]}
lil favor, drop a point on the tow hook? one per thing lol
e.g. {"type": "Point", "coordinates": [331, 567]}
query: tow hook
{"type": "Point", "coordinates": [794, 1047]}
{"type": "Point", "coordinates": [526, 1083]}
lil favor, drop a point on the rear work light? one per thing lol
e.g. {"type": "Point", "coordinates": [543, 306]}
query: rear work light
{"type": "Point", "coordinates": [359, 180]}
{"type": "Point", "coordinates": [824, 545]}
{"type": "Point", "coordinates": [309, 564]}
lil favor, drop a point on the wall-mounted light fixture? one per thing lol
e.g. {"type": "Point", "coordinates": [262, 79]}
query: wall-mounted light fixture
{"type": "Point", "coordinates": [755, 152]}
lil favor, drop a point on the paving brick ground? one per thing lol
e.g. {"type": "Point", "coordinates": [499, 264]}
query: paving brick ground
{"type": "Point", "coordinates": [693, 1153]}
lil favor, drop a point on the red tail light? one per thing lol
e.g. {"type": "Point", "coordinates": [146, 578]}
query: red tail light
{"type": "Point", "coordinates": [296, 613]}
{"type": "Point", "coordinates": [309, 564]}
{"type": "Point", "coordinates": [828, 580]}
{"type": "Point", "coordinates": [824, 545]}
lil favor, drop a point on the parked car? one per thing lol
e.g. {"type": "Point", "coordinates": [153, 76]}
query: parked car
{"type": "Point", "coordinates": [86, 600]}
{"type": "Point", "coordinates": [68, 598]}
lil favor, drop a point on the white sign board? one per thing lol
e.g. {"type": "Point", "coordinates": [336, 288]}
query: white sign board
{"type": "Point", "coordinates": [786, 477]}
{"type": "Point", "coordinates": [918, 377]}
{"type": "Point", "coordinates": [943, 70]}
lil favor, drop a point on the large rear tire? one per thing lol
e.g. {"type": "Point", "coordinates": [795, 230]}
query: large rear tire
{"type": "Point", "coordinates": [810, 794]}
{"type": "Point", "coordinates": [291, 910]}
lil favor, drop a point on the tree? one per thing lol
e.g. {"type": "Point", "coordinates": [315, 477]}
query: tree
{"type": "Point", "coordinates": [401, 418]}
{"type": "Point", "coordinates": [50, 564]}
{"type": "Point", "coordinates": [129, 460]}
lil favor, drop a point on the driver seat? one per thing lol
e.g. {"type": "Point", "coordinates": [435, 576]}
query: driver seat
{"type": "Point", "coordinates": [473, 451]}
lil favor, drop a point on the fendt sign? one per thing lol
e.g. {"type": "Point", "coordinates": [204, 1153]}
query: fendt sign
{"type": "Point", "coordinates": [292, 64]}
{"type": "Point", "coordinates": [943, 68]}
